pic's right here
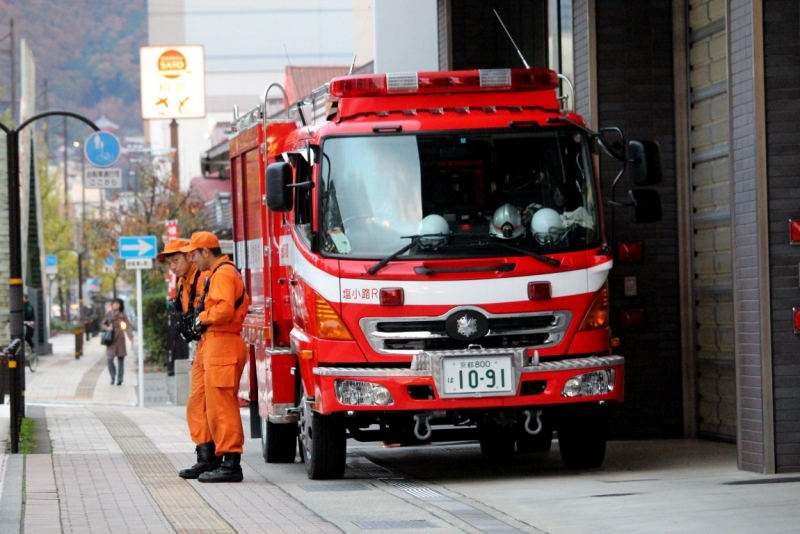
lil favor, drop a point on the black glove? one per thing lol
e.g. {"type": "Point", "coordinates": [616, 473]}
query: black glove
{"type": "Point", "coordinates": [198, 328]}
{"type": "Point", "coordinates": [174, 305]}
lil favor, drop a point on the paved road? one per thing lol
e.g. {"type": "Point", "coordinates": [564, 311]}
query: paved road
{"type": "Point", "coordinates": [104, 465]}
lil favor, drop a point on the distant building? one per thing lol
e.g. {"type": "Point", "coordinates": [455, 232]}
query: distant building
{"type": "Point", "coordinates": [246, 45]}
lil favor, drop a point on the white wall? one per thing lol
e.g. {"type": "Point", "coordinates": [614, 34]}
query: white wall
{"type": "Point", "coordinates": [406, 36]}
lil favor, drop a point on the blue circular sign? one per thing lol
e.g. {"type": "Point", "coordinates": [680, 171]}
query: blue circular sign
{"type": "Point", "coordinates": [110, 260]}
{"type": "Point", "coordinates": [102, 149]}
{"type": "Point", "coordinates": [51, 260]}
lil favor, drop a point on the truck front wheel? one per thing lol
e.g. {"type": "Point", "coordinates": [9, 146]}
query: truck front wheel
{"type": "Point", "coordinates": [323, 444]}
{"type": "Point", "coordinates": [582, 436]}
{"type": "Point", "coordinates": [278, 442]}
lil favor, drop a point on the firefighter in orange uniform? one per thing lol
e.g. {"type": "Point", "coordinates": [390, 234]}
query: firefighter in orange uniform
{"type": "Point", "coordinates": [221, 350]}
{"type": "Point", "coordinates": [190, 289]}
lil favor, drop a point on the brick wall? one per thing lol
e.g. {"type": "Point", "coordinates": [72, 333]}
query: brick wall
{"type": "Point", "coordinates": [749, 269]}
{"type": "Point", "coordinates": [782, 77]}
{"type": "Point", "coordinates": [635, 93]}
{"type": "Point", "coordinates": [479, 41]}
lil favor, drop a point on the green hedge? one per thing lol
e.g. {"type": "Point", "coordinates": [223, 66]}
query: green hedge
{"type": "Point", "coordinates": [154, 311]}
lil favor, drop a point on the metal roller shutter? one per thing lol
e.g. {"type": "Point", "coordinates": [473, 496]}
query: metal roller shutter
{"type": "Point", "coordinates": [713, 287]}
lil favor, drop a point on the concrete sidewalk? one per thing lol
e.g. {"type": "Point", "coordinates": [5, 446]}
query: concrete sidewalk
{"type": "Point", "coordinates": [61, 378]}
{"type": "Point", "coordinates": [102, 464]}
{"type": "Point", "coordinates": [107, 465]}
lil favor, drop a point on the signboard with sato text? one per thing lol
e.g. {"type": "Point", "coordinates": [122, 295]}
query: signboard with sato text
{"type": "Point", "coordinates": [173, 82]}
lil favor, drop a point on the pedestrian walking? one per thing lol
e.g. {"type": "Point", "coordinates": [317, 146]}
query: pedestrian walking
{"type": "Point", "coordinates": [117, 322]}
{"type": "Point", "coordinates": [221, 355]}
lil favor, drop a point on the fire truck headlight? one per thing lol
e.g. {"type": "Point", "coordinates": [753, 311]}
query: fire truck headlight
{"type": "Point", "coordinates": [593, 383]}
{"type": "Point", "coordinates": [359, 393]}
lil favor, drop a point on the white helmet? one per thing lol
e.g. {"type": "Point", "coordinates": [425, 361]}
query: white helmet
{"type": "Point", "coordinates": [547, 226]}
{"type": "Point", "coordinates": [507, 222]}
{"type": "Point", "coordinates": [431, 225]}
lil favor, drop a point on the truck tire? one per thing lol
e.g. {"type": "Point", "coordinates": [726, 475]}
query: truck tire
{"type": "Point", "coordinates": [582, 436]}
{"type": "Point", "coordinates": [496, 440]}
{"type": "Point", "coordinates": [323, 444]}
{"type": "Point", "coordinates": [278, 442]}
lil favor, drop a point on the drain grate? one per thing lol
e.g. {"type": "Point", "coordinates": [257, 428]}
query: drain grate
{"type": "Point", "coordinates": [335, 487]}
{"type": "Point", "coordinates": [779, 480]}
{"type": "Point", "coordinates": [385, 525]}
{"type": "Point", "coordinates": [370, 470]}
{"type": "Point", "coordinates": [414, 489]}
{"type": "Point", "coordinates": [615, 494]}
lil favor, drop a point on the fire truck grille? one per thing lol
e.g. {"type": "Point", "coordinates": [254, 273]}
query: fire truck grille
{"type": "Point", "coordinates": [413, 334]}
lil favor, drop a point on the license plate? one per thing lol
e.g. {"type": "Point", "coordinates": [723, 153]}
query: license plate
{"type": "Point", "coordinates": [477, 374]}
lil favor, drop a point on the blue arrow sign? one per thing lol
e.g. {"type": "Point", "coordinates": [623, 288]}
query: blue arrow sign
{"type": "Point", "coordinates": [102, 149]}
{"type": "Point", "coordinates": [137, 247]}
{"type": "Point", "coordinates": [51, 260]}
{"type": "Point", "coordinates": [110, 260]}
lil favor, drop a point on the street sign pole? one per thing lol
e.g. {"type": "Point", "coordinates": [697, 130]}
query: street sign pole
{"type": "Point", "coordinates": [138, 253]}
{"type": "Point", "coordinates": [140, 333]}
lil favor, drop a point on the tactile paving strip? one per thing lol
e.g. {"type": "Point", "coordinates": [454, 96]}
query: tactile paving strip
{"type": "Point", "coordinates": [179, 502]}
{"type": "Point", "coordinates": [395, 525]}
{"type": "Point", "coordinates": [85, 389]}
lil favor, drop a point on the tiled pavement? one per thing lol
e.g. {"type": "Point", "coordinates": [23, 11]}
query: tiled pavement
{"type": "Point", "coordinates": [106, 465]}
{"type": "Point", "coordinates": [112, 466]}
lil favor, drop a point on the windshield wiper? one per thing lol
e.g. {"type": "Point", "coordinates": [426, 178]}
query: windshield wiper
{"type": "Point", "coordinates": [550, 261]}
{"type": "Point", "coordinates": [385, 261]}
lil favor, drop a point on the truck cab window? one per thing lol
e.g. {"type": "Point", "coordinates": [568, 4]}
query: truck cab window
{"type": "Point", "coordinates": [303, 205]}
{"type": "Point", "coordinates": [376, 190]}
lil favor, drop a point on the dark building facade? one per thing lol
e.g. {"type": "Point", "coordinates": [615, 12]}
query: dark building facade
{"type": "Point", "coordinates": [717, 84]}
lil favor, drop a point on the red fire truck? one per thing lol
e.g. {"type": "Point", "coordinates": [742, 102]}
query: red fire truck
{"type": "Point", "coordinates": [426, 260]}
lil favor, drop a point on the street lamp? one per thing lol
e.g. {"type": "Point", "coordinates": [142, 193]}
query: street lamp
{"type": "Point", "coordinates": [16, 326]}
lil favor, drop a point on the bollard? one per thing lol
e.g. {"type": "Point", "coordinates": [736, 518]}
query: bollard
{"type": "Point", "coordinates": [13, 354]}
{"type": "Point", "coordinates": [78, 342]}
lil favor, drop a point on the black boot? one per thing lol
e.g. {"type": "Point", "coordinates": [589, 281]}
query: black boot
{"type": "Point", "coordinates": [206, 461]}
{"type": "Point", "coordinates": [229, 471]}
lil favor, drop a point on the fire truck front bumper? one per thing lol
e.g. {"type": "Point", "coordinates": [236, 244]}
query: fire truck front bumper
{"type": "Point", "coordinates": [483, 378]}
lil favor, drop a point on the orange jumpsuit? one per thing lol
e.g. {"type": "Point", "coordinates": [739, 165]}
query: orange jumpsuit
{"type": "Point", "coordinates": [221, 354]}
{"type": "Point", "coordinates": [196, 403]}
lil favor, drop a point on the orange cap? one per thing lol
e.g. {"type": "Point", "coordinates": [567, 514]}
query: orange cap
{"type": "Point", "coordinates": [173, 247]}
{"type": "Point", "coordinates": [201, 240]}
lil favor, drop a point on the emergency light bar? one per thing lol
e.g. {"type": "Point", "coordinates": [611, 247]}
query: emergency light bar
{"type": "Point", "coordinates": [444, 82]}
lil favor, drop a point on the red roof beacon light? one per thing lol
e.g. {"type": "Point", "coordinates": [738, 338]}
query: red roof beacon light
{"type": "Point", "coordinates": [444, 82]}
{"type": "Point", "coordinates": [630, 251]}
{"type": "Point", "coordinates": [539, 290]}
{"type": "Point", "coordinates": [392, 296]}
{"type": "Point", "coordinates": [794, 232]}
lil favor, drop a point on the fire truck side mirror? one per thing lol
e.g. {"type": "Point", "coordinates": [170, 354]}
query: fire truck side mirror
{"type": "Point", "coordinates": [644, 162]}
{"type": "Point", "coordinates": [646, 205]}
{"type": "Point", "coordinates": [279, 195]}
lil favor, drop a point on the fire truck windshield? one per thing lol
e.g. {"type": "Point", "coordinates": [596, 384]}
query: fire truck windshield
{"type": "Point", "coordinates": [457, 195]}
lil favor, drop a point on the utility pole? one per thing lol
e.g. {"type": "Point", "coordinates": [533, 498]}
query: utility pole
{"type": "Point", "coordinates": [173, 134]}
{"type": "Point", "coordinates": [14, 109]}
{"type": "Point", "coordinates": [66, 180]}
